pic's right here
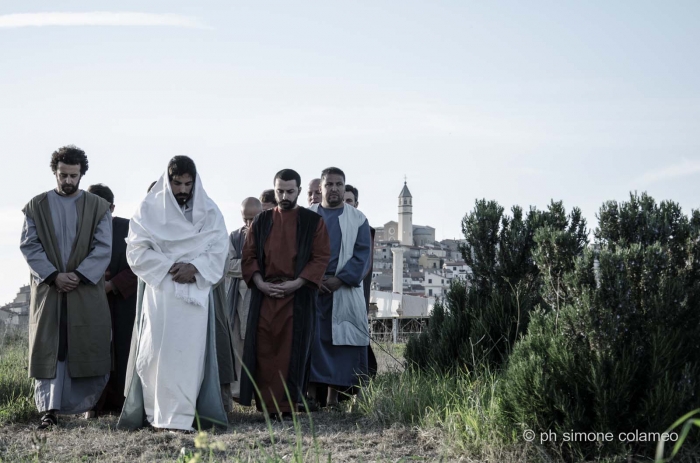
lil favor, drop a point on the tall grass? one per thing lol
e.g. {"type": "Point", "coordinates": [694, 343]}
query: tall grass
{"type": "Point", "coordinates": [16, 388]}
{"type": "Point", "coordinates": [460, 410]}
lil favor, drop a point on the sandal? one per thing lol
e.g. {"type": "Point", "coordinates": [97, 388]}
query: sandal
{"type": "Point", "coordinates": [48, 421]}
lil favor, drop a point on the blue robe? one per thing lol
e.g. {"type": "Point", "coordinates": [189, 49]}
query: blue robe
{"type": "Point", "coordinates": [340, 366]}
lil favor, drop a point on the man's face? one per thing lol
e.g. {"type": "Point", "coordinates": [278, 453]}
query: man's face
{"type": "Point", "coordinates": [248, 214]}
{"type": "Point", "coordinates": [68, 178]}
{"type": "Point", "coordinates": [333, 188]}
{"type": "Point", "coordinates": [314, 193]}
{"type": "Point", "coordinates": [286, 193]}
{"type": "Point", "coordinates": [350, 199]}
{"type": "Point", "coordinates": [268, 206]}
{"type": "Point", "coordinates": [182, 187]}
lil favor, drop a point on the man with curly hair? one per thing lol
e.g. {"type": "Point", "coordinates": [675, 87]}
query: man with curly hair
{"type": "Point", "coordinates": [67, 242]}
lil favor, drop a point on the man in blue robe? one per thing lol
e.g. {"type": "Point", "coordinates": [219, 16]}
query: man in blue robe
{"type": "Point", "coordinates": [339, 353]}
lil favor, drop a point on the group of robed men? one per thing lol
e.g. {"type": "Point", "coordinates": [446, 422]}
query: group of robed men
{"type": "Point", "coordinates": [165, 317]}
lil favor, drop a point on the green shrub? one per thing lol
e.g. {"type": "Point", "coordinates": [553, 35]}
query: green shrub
{"type": "Point", "coordinates": [616, 347]}
{"type": "Point", "coordinates": [479, 320]}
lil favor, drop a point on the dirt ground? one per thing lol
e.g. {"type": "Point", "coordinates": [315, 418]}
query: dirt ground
{"type": "Point", "coordinates": [338, 437]}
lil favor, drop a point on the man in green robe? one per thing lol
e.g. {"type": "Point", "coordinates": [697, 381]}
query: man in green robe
{"type": "Point", "coordinates": [67, 242]}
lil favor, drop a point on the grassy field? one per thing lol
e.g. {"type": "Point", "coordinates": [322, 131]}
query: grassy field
{"type": "Point", "coordinates": [324, 436]}
{"type": "Point", "coordinates": [16, 389]}
{"type": "Point", "coordinates": [399, 416]}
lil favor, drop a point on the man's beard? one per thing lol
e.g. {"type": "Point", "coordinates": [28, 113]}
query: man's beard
{"type": "Point", "coordinates": [287, 205]}
{"type": "Point", "coordinates": [182, 198]}
{"type": "Point", "coordinates": [334, 202]}
{"type": "Point", "coordinates": [65, 189]}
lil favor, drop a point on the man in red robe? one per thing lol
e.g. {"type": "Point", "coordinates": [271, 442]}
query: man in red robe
{"type": "Point", "coordinates": [284, 259]}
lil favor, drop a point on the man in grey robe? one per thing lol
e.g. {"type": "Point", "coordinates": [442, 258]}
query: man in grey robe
{"type": "Point", "coordinates": [238, 292]}
{"type": "Point", "coordinates": [67, 243]}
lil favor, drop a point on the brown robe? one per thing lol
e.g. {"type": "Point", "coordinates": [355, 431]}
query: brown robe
{"type": "Point", "coordinates": [275, 324]}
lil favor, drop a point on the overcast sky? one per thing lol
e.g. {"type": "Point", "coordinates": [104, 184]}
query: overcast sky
{"type": "Point", "coordinates": [521, 102]}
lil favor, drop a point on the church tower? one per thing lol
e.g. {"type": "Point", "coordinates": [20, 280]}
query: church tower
{"type": "Point", "coordinates": [405, 217]}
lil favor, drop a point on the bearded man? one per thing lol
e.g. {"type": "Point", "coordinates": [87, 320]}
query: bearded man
{"type": "Point", "coordinates": [284, 257]}
{"type": "Point", "coordinates": [67, 242]}
{"type": "Point", "coordinates": [177, 246]}
{"type": "Point", "coordinates": [339, 359]}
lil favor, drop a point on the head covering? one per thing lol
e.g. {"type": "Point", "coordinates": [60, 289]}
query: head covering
{"type": "Point", "coordinates": [160, 224]}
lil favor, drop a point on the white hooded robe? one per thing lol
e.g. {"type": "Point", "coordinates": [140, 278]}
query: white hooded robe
{"type": "Point", "coordinates": [172, 341]}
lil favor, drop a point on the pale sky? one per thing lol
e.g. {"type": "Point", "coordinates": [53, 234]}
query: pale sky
{"type": "Point", "coordinates": [521, 102]}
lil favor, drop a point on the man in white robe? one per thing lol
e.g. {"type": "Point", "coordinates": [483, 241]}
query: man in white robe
{"type": "Point", "coordinates": [178, 246]}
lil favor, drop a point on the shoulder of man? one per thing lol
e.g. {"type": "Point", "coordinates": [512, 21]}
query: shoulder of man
{"type": "Point", "coordinates": [33, 203]}
{"type": "Point", "coordinates": [309, 212]}
{"type": "Point", "coordinates": [120, 222]}
{"type": "Point", "coordinates": [101, 204]}
{"type": "Point", "coordinates": [356, 213]}
{"type": "Point", "coordinates": [235, 235]}
{"type": "Point", "coordinates": [264, 216]}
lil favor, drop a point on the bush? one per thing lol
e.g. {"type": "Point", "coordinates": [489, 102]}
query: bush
{"type": "Point", "coordinates": [479, 320]}
{"type": "Point", "coordinates": [616, 347]}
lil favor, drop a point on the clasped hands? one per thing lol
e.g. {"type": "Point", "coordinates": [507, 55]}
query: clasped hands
{"type": "Point", "coordinates": [66, 282]}
{"type": "Point", "coordinates": [183, 273]}
{"type": "Point", "coordinates": [278, 290]}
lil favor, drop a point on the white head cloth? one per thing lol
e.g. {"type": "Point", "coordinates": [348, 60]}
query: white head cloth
{"type": "Point", "coordinates": [160, 236]}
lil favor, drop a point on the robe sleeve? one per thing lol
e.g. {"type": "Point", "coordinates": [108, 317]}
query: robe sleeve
{"type": "Point", "coordinates": [249, 260]}
{"type": "Point", "coordinates": [144, 256]}
{"type": "Point", "coordinates": [355, 269]}
{"type": "Point", "coordinates": [211, 264]}
{"type": "Point", "coordinates": [233, 269]}
{"type": "Point", "coordinates": [93, 267]}
{"type": "Point", "coordinates": [33, 251]}
{"type": "Point", "coordinates": [125, 282]}
{"type": "Point", "coordinates": [320, 255]}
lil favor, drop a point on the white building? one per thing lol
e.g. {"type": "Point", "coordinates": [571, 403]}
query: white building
{"type": "Point", "coordinates": [17, 311]}
{"type": "Point", "coordinates": [435, 284]}
{"type": "Point", "coordinates": [459, 269]}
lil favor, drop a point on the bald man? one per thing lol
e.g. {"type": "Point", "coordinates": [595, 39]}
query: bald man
{"type": "Point", "coordinates": [314, 193]}
{"type": "Point", "coordinates": [238, 292]}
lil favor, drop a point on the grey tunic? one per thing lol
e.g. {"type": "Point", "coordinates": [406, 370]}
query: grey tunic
{"type": "Point", "coordinates": [63, 393]}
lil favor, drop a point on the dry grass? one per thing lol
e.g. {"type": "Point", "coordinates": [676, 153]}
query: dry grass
{"type": "Point", "coordinates": [319, 437]}
{"type": "Point", "coordinates": [338, 437]}
{"type": "Point", "coordinates": [323, 436]}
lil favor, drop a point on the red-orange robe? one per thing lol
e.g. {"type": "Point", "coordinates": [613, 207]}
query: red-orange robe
{"type": "Point", "coordinates": [274, 329]}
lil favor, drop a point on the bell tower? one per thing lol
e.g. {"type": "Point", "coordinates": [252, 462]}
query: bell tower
{"type": "Point", "coordinates": [405, 234]}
